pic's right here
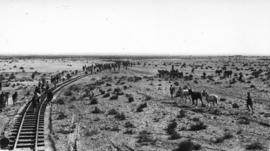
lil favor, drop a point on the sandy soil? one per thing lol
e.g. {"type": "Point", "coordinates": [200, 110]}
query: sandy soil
{"type": "Point", "coordinates": [154, 121]}
{"type": "Point", "coordinates": [24, 84]}
{"type": "Point", "coordinates": [132, 109]}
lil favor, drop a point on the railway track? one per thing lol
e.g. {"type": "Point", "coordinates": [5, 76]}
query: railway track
{"type": "Point", "coordinates": [28, 131]}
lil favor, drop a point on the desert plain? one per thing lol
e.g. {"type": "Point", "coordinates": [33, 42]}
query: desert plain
{"type": "Point", "coordinates": [132, 109]}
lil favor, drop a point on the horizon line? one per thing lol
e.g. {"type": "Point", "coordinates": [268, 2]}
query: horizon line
{"type": "Point", "coordinates": [110, 54]}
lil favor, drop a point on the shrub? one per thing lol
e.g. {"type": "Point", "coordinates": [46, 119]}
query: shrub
{"type": "Point", "coordinates": [106, 95]}
{"type": "Point", "coordinates": [65, 131]}
{"type": "Point", "coordinates": [68, 93]}
{"type": "Point", "coordinates": [174, 136]}
{"type": "Point", "coordinates": [222, 99]}
{"type": "Point", "coordinates": [243, 120]}
{"type": "Point", "coordinates": [235, 105]}
{"type": "Point", "coordinates": [147, 98]}
{"type": "Point", "coordinates": [141, 107]}
{"type": "Point", "coordinates": [145, 138]}
{"type": "Point", "coordinates": [220, 139]}
{"type": "Point", "coordinates": [254, 146]}
{"type": "Point", "coordinates": [101, 91]}
{"type": "Point", "coordinates": [185, 145]}
{"type": "Point", "coordinates": [252, 86]}
{"type": "Point", "coordinates": [196, 126]}
{"type": "Point", "coordinates": [94, 101]}
{"type": "Point", "coordinates": [120, 116]}
{"type": "Point", "coordinates": [181, 114]}
{"type": "Point", "coordinates": [129, 131]}
{"type": "Point", "coordinates": [137, 78]}
{"type": "Point", "coordinates": [27, 93]}
{"type": "Point", "coordinates": [130, 99]}
{"type": "Point", "coordinates": [96, 110]}
{"type": "Point", "coordinates": [215, 112]}
{"type": "Point", "coordinates": [171, 127]}
{"type": "Point", "coordinates": [115, 128]}
{"type": "Point", "coordinates": [171, 130]}
{"type": "Point", "coordinates": [11, 76]}
{"type": "Point", "coordinates": [73, 98]}
{"type": "Point", "coordinates": [61, 116]}
{"type": "Point", "coordinates": [91, 133]}
{"type": "Point", "coordinates": [60, 101]}
{"type": "Point", "coordinates": [116, 90]}
{"type": "Point", "coordinates": [112, 112]}
{"type": "Point", "coordinates": [74, 88]}
{"type": "Point", "coordinates": [128, 124]}
{"type": "Point", "coordinates": [114, 97]}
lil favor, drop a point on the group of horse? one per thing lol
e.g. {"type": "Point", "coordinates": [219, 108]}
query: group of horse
{"type": "Point", "coordinates": [97, 67]}
{"type": "Point", "coordinates": [170, 74]}
{"type": "Point", "coordinates": [195, 96]}
{"type": "Point", "coordinates": [226, 73]}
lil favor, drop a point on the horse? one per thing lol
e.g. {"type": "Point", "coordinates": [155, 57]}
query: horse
{"type": "Point", "coordinates": [163, 73]}
{"type": "Point", "coordinates": [218, 72]}
{"type": "Point", "coordinates": [185, 94]}
{"type": "Point", "coordinates": [195, 96]}
{"type": "Point", "coordinates": [182, 93]}
{"type": "Point", "coordinates": [210, 98]}
{"type": "Point", "coordinates": [227, 73]}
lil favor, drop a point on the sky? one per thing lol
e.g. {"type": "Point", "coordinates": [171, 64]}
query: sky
{"type": "Point", "coordinates": [135, 27]}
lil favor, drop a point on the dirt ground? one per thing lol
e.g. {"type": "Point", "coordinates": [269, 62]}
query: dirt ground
{"type": "Point", "coordinates": [132, 109]}
{"type": "Point", "coordinates": [23, 84]}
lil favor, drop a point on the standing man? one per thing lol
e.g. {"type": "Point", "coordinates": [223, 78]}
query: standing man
{"type": "Point", "coordinates": [249, 103]}
{"type": "Point", "coordinates": [35, 101]}
{"type": "Point", "coordinates": [4, 141]}
{"type": "Point", "coordinates": [49, 95]}
{"type": "Point", "coordinates": [1, 101]}
{"type": "Point", "coordinates": [6, 98]}
{"type": "Point", "coordinates": [172, 91]}
{"type": "Point", "coordinates": [14, 97]}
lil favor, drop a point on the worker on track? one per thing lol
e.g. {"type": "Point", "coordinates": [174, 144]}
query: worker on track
{"type": "Point", "coordinates": [35, 101]}
{"type": "Point", "coordinates": [249, 103]}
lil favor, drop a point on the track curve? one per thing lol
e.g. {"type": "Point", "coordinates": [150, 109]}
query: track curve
{"type": "Point", "coordinates": [28, 131]}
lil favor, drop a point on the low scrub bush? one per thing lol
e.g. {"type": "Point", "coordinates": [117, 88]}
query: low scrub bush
{"type": "Point", "coordinates": [145, 138]}
{"type": "Point", "coordinates": [68, 93]}
{"type": "Point", "coordinates": [243, 120]}
{"type": "Point", "coordinates": [196, 126]}
{"type": "Point", "coordinates": [141, 107]}
{"type": "Point", "coordinates": [94, 101]}
{"type": "Point", "coordinates": [120, 116]}
{"type": "Point", "coordinates": [254, 146]}
{"type": "Point", "coordinates": [106, 95]}
{"type": "Point", "coordinates": [96, 110]}
{"type": "Point", "coordinates": [60, 101]}
{"type": "Point", "coordinates": [114, 97]}
{"type": "Point", "coordinates": [185, 145]}
{"type": "Point", "coordinates": [235, 105]}
{"type": "Point", "coordinates": [61, 116]}
{"type": "Point", "coordinates": [112, 112]}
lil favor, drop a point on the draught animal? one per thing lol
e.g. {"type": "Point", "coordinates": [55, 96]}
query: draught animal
{"type": "Point", "coordinates": [210, 98]}
{"type": "Point", "coordinates": [183, 93]}
{"type": "Point", "coordinates": [195, 96]}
